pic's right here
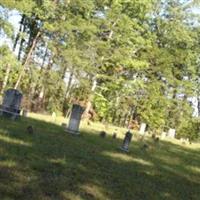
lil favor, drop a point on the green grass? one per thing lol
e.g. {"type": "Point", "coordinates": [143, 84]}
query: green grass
{"type": "Point", "coordinates": [53, 165]}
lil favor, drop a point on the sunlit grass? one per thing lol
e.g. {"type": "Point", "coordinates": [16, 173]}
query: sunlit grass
{"type": "Point", "coordinates": [7, 163]}
{"type": "Point", "coordinates": [14, 141]}
{"type": "Point", "coordinates": [118, 157]}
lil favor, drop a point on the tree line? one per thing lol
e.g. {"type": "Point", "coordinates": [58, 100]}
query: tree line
{"type": "Point", "coordinates": [123, 60]}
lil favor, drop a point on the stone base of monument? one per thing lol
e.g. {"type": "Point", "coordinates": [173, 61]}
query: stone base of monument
{"type": "Point", "coordinates": [72, 132]}
{"type": "Point", "coordinates": [124, 149]}
{"type": "Point", "coordinates": [11, 113]}
{"type": "Point", "coordinates": [11, 104]}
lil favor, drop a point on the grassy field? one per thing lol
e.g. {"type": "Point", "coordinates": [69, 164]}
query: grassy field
{"type": "Point", "coordinates": [53, 165]}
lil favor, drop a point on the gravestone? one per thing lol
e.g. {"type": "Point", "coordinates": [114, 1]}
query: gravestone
{"type": "Point", "coordinates": [11, 103]}
{"type": "Point", "coordinates": [126, 142]}
{"type": "Point", "coordinates": [142, 129]}
{"type": "Point", "coordinates": [75, 119]}
{"type": "Point", "coordinates": [53, 116]}
{"type": "Point", "coordinates": [163, 135]}
{"type": "Point", "coordinates": [171, 133]}
{"type": "Point", "coordinates": [25, 113]}
{"type": "Point", "coordinates": [64, 125]}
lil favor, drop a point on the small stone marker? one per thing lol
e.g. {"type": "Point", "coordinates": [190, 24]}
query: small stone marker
{"type": "Point", "coordinates": [75, 119]}
{"type": "Point", "coordinates": [145, 146]}
{"type": "Point", "coordinates": [64, 125]}
{"type": "Point", "coordinates": [114, 136]}
{"type": "Point", "coordinates": [142, 129]}
{"type": "Point", "coordinates": [30, 130]}
{"type": "Point", "coordinates": [171, 133]}
{"type": "Point", "coordinates": [126, 142]}
{"type": "Point", "coordinates": [11, 103]}
{"type": "Point", "coordinates": [102, 134]}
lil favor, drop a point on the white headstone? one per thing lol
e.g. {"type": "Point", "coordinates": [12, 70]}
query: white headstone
{"type": "Point", "coordinates": [142, 129]}
{"type": "Point", "coordinates": [53, 116]}
{"type": "Point", "coordinates": [171, 133]}
{"type": "Point", "coordinates": [163, 135]}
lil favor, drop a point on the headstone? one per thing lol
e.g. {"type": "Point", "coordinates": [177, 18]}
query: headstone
{"type": "Point", "coordinates": [75, 119]}
{"type": "Point", "coordinates": [126, 142]}
{"type": "Point", "coordinates": [163, 135]}
{"type": "Point", "coordinates": [25, 113]}
{"type": "Point", "coordinates": [171, 133]}
{"type": "Point", "coordinates": [142, 129]}
{"type": "Point", "coordinates": [53, 116]}
{"type": "Point", "coordinates": [11, 103]}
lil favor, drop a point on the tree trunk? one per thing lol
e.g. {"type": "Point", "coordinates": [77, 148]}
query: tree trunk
{"type": "Point", "coordinates": [41, 95]}
{"type": "Point", "coordinates": [89, 103]}
{"type": "Point", "coordinates": [22, 41]}
{"type": "Point", "coordinates": [27, 59]}
{"type": "Point", "coordinates": [5, 81]}
{"type": "Point", "coordinates": [69, 85]}
{"type": "Point", "coordinates": [66, 108]}
{"type": "Point", "coordinates": [18, 34]}
{"type": "Point", "coordinates": [40, 100]}
{"type": "Point", "coordinates": [198, 105]}
{"type": "Point", "coordinates": [114, 116]}
{"type": "Point", "coordinates": [125, 119]}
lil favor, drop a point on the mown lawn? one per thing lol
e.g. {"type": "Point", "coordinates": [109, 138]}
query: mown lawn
{"type": "Point", "coordinates": [53, 165]}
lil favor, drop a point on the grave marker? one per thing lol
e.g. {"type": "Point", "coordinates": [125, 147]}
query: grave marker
{"type": "Point", "coordinates": [163, 135]}
{"type": "Point", "coordinates": [171, 133]}
{"type": "Point", "coordinates": [75, 119]}
{"type": "Point", "coordinates": [11, 103]}
{"type": "Point", "coordinates": [126, 142]}
{"type": "Point", "coordinates": [53, 116]}
{"type": "Point", "coordinates": [25, 113]}
{"type": "Point", "coordinates": [142, 129]}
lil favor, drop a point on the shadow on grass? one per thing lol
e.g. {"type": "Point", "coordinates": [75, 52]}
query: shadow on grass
{"type": "Point", "coordinates": [53, 165]}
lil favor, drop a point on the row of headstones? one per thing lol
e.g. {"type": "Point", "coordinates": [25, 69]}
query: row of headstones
{"type": "Point", "coordinates": [170, 134]}
{"type": "Point", "coordinates": [75, 118]}
{"type": "Point", "coordinates": [77, 112]}
{"type": "Point", "coordinates": [12, 102]}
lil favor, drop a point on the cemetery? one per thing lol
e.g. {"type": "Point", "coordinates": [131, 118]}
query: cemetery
{"type": "Point", "coordinates": [39, 160]}
{"type": "Point", "coordinates": [99, 100]}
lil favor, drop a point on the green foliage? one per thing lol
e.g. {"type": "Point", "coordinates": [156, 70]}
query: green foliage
{"type": "Point", "coordinates": [143, 55]}
{"type": "Point", "coordinates": [189, 128]}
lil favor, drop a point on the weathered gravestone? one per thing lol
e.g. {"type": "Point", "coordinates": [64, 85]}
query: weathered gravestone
{"type": "Point", "coordinates": [171, 133]}
{"type": "Point", "coordinates": [75, 119]}
{"type": "Point", "coordinates": [53, 117]}
{"type": "Point", "coordinates": [126, 142]}
{"type": "Point", "coordinates": [142, 129]}
{"type": "Point", "coordinates": [11, 103]}
{"type": "Point", "coordinates": [25, 113]}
